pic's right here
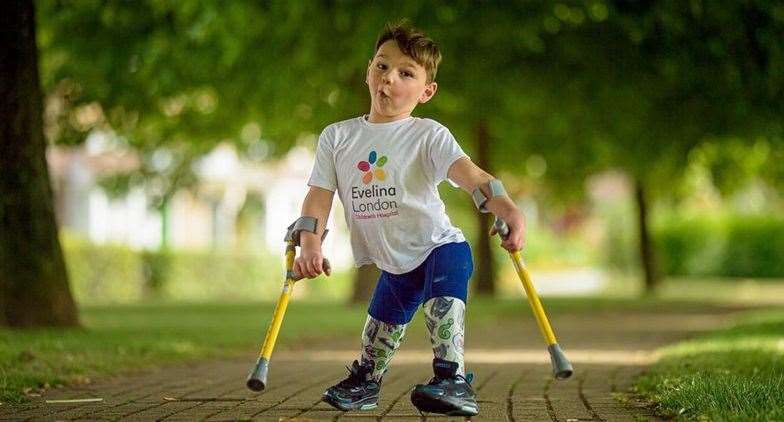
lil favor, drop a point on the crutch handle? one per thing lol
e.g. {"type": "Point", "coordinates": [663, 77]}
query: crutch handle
{"type": "Point", "coordinates": [501, 227]}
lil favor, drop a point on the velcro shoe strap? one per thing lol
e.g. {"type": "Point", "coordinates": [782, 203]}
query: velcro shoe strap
{"type": "Point", "coordinates": [444, 368]}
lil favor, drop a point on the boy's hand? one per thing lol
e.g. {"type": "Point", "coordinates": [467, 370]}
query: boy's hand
{"type": "Point", "coordinates": [310, 263]}
{"type": "Point", "coordinates": [515, 240]}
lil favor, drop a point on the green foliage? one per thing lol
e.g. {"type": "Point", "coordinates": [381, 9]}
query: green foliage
{"type": "Point", "coordinates": [754, 246]}
{"type": "Point", "coordinates": [585, 86]}
{"type": "Point", "coordinates": [730, 245]}
{"type": "Point", "coordinates": [112, 273]}
{"type": "Point", "coordinates": [156, 266]}
{"type": "Point", "coordinates": [733, 163]}
{"type": "Point", "coordinates": [620, 245]}
{"type": "Point", "coordinates": [733, 374]}
{"type": "Point", "coordinates": [207, 276]}
{"type": "Point", "coordinates": [690, 246]}
{"type": "Point", "coordinates": [117, 274]}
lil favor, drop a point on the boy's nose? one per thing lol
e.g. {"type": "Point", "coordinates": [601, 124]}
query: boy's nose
{"type": "Point", "coordinates": [387, 77]}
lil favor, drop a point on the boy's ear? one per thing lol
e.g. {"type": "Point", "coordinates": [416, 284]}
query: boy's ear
{"type": "Point", "coordinates": [430, 91]}
{"type": "Point", "coordinates": [367, 71]}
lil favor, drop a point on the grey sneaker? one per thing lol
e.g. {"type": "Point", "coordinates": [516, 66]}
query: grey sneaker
{"type": "Point", "coordinates": [357, 392]}
{"type": "Point", "coordinates": [447, 392]}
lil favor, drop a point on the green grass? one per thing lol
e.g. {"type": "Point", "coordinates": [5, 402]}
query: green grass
{"type": "Point", "coordinates": [731, 374]}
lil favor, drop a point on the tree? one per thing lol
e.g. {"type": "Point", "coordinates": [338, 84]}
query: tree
{"type": "Point", "coordinates": [34, 288]}
{"type": "Point", "coordinates": [656, 80]}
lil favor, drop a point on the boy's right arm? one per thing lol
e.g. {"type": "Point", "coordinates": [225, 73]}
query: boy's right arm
{"type": "Point", "coordinates": [318, 204]}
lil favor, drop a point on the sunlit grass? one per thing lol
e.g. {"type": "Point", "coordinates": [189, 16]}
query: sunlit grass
{"type": "Point", "coordinates": [732, 374]}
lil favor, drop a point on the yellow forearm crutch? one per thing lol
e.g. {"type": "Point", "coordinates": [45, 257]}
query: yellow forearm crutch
{"type": "Point", "coordinates": [257, 380]}
{"type": "Point", "coordinates": [562, 369]}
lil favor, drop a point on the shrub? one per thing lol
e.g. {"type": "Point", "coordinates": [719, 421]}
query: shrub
{"type": "Point", "coordinates": [722, 246]}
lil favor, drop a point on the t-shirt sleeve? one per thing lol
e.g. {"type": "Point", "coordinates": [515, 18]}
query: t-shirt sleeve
{"type": "Point", "coordinates": [444, 150]}
{"type": "Point", "coordinates": [323, 174]}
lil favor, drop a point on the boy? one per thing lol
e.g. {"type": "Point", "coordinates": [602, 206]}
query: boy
{"type": "Point", "coordinates": [385, 166]}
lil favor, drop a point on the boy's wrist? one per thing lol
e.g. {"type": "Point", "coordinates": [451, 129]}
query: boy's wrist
{"type": "Point", "coordinates": [309, 241]}
{"type": "Point", "coordinates": [502, 207]}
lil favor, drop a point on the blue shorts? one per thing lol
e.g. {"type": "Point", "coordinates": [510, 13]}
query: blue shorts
{"type": "Point", "coordinates": [445, 272]}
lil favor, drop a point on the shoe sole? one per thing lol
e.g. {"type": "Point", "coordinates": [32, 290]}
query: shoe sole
{"type": "Point", "coordinates": [359, 406]}
{"type": "Point", "coordinates": [437, 405]}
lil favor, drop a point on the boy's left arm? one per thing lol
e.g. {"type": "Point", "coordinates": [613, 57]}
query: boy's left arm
{"type": "Point", "coordinates": [469, 176]}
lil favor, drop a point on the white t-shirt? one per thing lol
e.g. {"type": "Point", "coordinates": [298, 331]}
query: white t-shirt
{"type": "Point", "coordinates": [386, 176]}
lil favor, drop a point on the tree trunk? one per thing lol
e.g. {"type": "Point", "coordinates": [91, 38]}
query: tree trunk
{"type": "Point", "coordinates": [647, 255]}
{"type": "Point", "coordinates": [365, 279]}
{"type": "Point", "coordinates": [485, 270]}
{"type": "Point", "coordinates": [34, 287]}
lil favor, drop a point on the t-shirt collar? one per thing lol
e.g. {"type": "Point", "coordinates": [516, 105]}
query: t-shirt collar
{"type": "Point", "coordinates": [385, 125]}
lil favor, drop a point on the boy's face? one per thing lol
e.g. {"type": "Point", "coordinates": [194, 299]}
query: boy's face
{"type": "Point", "coordinates": [397, 84]}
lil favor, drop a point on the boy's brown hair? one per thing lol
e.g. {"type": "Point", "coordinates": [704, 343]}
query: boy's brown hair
{"type": "Point", "coordinates": [413, 43]}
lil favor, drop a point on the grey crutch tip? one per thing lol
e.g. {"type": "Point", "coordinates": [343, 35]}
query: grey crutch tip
{"type": "Point", "coordinates": [562, 368]}
{"type": "Point", "coordinates": [257, 380]}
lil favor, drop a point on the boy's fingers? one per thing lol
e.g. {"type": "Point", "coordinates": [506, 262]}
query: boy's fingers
{"type": "Point", "coordinates": [297, 270]}
{"type": "Point", "coordinates": [511, 245]}
{"type": "Point", "coordinates": [311, 270]}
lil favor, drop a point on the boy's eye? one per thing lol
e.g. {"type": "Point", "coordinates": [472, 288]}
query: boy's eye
{"type": "Point", "coordinates": [381, 66]}
{"type": "Point", "coordinates": [408, 74]}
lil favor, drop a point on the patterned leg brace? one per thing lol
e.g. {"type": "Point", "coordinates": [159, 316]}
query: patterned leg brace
{"type": "Point", "coordinates": [444, 319]}
{"type": "Point", "coordinates": [379, 343]}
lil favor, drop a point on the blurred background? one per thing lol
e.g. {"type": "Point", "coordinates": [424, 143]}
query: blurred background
{"type": "Point", "coordinates": [642, 140]}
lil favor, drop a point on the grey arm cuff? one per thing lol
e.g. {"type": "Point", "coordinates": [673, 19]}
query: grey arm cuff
{"type": "Point", "coordinates": [496, 189]}
{"type": "Point", "coordinates": [303, 223]}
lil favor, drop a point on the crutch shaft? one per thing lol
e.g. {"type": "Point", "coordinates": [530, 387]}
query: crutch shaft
{"type": "Point", "coordinates": [274, 327]}
{"type": "Point", "coordinates": [280, 307]}
{"type": "Point", "coordinates": [533, 299]}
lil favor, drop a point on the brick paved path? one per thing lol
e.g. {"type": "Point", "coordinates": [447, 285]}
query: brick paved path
{"type": "Point", "coordinates": [513, 379]}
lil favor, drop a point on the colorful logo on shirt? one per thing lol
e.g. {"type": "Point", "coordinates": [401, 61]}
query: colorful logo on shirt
{"type": "Point", "coordinates": [372, 167]}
